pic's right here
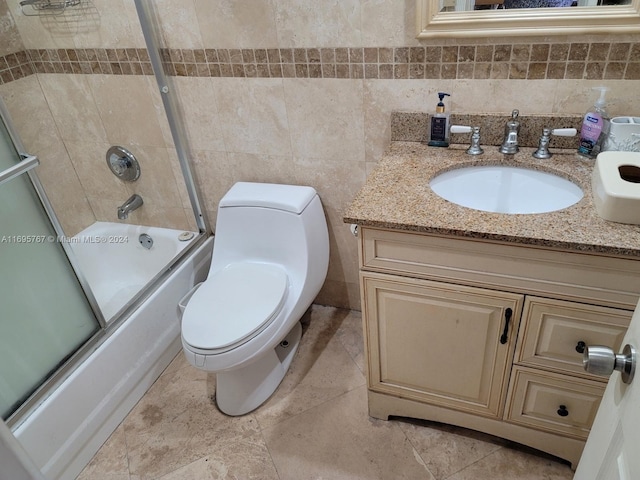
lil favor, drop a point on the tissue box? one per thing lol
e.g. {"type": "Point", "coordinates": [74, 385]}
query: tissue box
{"type": "Point", "coordinates": [615, 184]}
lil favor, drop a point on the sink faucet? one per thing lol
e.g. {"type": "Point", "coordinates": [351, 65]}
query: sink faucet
{"type": "Point", "coordinates": [511, 129]}
{"type": "Point", "coordinates": [133, 202]}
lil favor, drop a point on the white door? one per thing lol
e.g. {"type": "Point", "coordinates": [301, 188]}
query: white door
{"type": "Point", "coordinates": [611, 452]}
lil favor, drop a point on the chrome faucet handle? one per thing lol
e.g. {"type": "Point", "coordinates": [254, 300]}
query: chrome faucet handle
{"type": "Point", "coordinates": [543, 145]}
{"type": "Point", "coordinates": [474, 148]}
{"type": "Point", "coordinates": [511, 130]}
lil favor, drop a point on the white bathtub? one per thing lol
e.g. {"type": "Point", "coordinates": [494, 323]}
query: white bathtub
{"type": "Point", "coordinates": [70, 425]}
{"type": "Point", "coordinates": [117, 266]}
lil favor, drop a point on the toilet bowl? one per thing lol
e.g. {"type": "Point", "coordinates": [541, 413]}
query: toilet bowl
{"type": "Point", "coordinates": [270, 259]}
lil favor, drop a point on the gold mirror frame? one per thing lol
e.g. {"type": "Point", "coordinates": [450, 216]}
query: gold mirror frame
{"type": "Point", "coordinates": [432, 23]}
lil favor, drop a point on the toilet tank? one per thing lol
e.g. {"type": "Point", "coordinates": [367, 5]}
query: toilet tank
{"type": "Point", "coordinates": [282, 224]}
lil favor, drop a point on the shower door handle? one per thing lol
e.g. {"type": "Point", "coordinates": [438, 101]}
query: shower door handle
{"type": "Point", "coordinates": [28, 162]}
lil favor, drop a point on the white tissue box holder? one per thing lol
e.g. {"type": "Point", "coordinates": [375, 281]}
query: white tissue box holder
{"type": "Point", "coordinates": [615, 183]}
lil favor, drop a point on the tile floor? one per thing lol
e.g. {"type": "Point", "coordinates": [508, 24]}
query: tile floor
{"type": "Point", "coordinates": [315, 426]}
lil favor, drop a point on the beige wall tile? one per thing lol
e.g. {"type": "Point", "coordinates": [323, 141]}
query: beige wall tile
{"type": "Point", "coordinates": [199, 108]}
{"type": "Point", "coordinates": [253, 116]}
{"type": "Point", "coordinates": [64, 191]}
{"type": "Point", "coordinates": [179, 23]}
{"type": "Point", "coordinates": [50, 31]}
{"type": "Point", "coordinates": [72, 105]}
{"type": "Point", "coordinates": [10, 41]}
{"type": "Point", "coordinates": [233, 24]}
{"type": "Point", "coordinates": [381, 97]}
{"type": "Point", "coordinates": [127, 109]}
{"type": "Point", "coordinates": [101, 23]}
{"type": "Point", "coordinates": [326, 118]}
{"type": "Point", "coordinates": [89, 161]}
{"type": "Point", "coordinates": [388, 23]}
{"type": "Point", "coordinates": [306, 23]}
{"type": "Point", "coordinates": [157, 182]}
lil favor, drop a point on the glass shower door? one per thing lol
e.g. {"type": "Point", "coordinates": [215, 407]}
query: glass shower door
{"type": "Point", "coordinates": [45, 316]}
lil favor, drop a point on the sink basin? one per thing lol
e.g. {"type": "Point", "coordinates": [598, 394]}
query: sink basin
{"type": "Point", "coordinates": [502, 189]}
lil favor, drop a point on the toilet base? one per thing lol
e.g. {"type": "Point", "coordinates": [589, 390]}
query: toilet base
{"type": "Point", "coordinates": [241, 391]}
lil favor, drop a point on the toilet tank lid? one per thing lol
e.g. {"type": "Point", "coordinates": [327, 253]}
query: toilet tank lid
{"type": "Point", "coordinates": [291, 198]}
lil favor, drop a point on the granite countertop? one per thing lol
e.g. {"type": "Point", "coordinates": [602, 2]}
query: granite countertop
{"type": "Point", "coordinates": [397, 195]}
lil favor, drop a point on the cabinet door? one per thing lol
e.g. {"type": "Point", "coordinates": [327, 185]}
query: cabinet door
{"type": "Point", "coordinates": [439, 343]}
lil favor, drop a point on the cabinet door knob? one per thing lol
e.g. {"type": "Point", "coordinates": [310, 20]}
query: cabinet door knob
{"type": "Point", "coordinates": [562, 411]}
{"type": "Point", "coordinates": [601, 360]}
{"type": "Point", "coordinates": [581, 346]}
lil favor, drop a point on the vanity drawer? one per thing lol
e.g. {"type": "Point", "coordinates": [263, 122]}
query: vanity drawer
{"type": "Point", "coordinates": [552, 330]}
{"type": "Point", "coordinates": [553, 402]}
{"type": "Point", "coordinates": [607, 281]}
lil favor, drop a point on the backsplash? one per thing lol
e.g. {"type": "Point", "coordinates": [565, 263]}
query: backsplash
{"type": "Point", "coordinates": [589, 61]}
{"type": "Point", "coordinates": [414, 127]}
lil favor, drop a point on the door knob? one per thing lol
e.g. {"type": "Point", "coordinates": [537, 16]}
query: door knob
{"type": "Point", "coordinates": [601, 360]}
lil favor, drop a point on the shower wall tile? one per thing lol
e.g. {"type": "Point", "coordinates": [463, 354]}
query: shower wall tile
{"type": "Point", "coordinates": [233, 24]}
{"type": "Point", "coordinates": [253, 116]}
{"type": "Point", "coordinates": [89, 161]}
{"type": "Point", "coordinates": [127, 110]}
{"type": "Point", "coordinates": [10, 41]}
{"type": "Point", "coordinates": [199, 107]}
{"type": "Point", "coordinates": [46, 31]}
{"type": "Point", "coordinates": [72, 105]}
{"type": "Point", "coordinates": [64, 190]}
{"type": "Point", "coordinates": [101, 23]}
{"type": "Point", "coordinates": [148, 214]}
{"type": "Point", "coordinates": [179, 23]}
{"type": "Point", "coordinates": [157, 183]}
{"type": "Point", "coordinates": [40, 137]}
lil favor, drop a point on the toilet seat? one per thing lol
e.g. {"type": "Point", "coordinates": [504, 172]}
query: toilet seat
{"type": "Point", "coordinates": [233, 306]}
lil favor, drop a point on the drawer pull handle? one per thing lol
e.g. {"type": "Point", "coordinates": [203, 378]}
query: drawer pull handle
{"type": "Point", "coordinates": [562, 411]}
{"type": "Point", "coordinates": [581, 346]}
{"type": "Point", "coordinates": [507, 318]}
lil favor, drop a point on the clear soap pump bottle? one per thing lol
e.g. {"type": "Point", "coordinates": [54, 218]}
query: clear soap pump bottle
{"type": "Point", "coordinates": [439, 132]}
{"type": "Point", "coordinates": [595, 127]}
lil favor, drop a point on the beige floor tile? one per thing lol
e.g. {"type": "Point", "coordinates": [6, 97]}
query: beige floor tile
{"type": "Point", "coordinates": [338, 440]}
{"type": "Point", "coordinates": [176, 423]}
{"type": "Point", "coordinates": [110, 463]}
{"type": "Point", "coordinates": [510, 464]}
{"type": "Point", "coordinates": [321, 370]}
{"type": "Point", "coordinates": [447, 449]}
{"type": "Point", "coordinates": [246, 459]}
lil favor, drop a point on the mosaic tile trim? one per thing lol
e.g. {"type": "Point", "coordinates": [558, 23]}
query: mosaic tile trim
{"type": "Point", "coordinates": [590, 61]}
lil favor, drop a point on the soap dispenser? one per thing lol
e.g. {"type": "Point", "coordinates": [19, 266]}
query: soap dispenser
{"type": "Point", "coordinates": [439, 132]}
{"type": "Point", "coordinates": [595, 127]}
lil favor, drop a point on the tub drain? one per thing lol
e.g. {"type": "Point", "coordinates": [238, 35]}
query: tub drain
{"type": "Point", "coordinates": [145, 240]}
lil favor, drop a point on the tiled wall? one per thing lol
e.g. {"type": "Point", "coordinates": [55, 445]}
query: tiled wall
{"type": "Point", "coordinates": [291, 91]}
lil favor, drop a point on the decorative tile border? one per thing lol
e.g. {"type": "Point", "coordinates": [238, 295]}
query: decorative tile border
{"type": "Point", "coordinates": [590, 61]}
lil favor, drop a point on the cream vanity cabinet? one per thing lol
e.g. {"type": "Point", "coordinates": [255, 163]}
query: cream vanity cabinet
{"type": "Point", "coordinates": [489, 336]}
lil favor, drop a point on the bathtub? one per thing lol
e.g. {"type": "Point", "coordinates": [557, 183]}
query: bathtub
{"type": "Point", "coordinates": [69, 426]}
{"type": "Point", "coordinates": [129, 266]}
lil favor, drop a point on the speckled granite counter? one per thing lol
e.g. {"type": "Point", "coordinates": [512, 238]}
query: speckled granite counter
{"type": "Point", "coordinates": [397, 196]}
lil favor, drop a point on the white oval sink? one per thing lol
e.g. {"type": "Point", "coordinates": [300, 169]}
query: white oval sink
{"type": "Point", "coordinates": [502, 189]}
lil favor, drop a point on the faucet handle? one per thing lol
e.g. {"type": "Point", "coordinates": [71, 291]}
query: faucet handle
{"type": "Point", "coordinates": [564, 132]}
{"type": "Point", "coordinates": [474, 148]}
{"type": "Point", "coordinates": [543, 145]}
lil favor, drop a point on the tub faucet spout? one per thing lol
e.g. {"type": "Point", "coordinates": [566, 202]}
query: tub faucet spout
{"type": "Point", "coordinates": [133, 202]}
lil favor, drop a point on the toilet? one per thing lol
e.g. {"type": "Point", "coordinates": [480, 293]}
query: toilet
{"type": "Point", "coordinates": [270, 259]}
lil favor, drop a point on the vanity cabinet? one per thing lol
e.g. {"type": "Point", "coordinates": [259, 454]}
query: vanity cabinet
{"type": "Point", "coordinates": [488, 335]}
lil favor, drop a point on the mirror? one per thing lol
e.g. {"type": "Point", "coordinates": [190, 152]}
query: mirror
{"type": "Point", "coordinates": [460, 18]}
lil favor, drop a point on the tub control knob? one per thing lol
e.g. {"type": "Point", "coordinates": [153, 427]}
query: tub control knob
{"type": "Point", "coordinates": [601, 360]}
